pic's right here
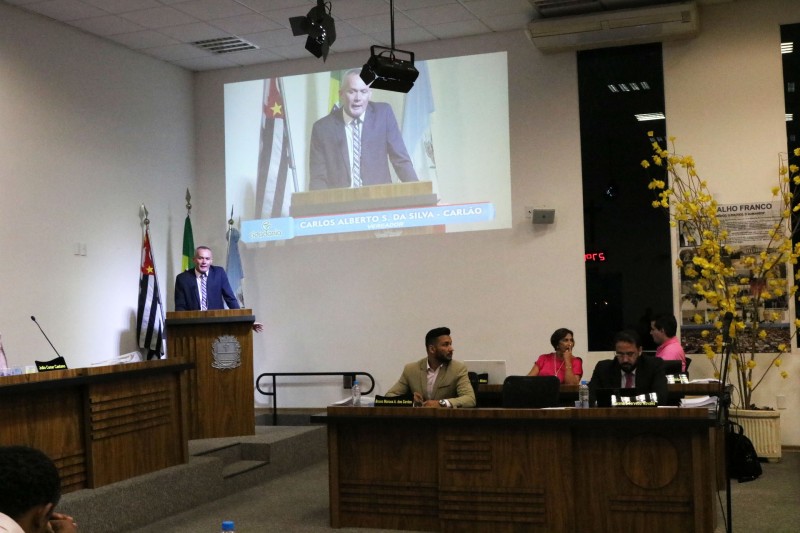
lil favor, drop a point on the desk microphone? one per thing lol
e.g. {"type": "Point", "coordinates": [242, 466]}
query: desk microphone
{"type": "Point", "coordinates": [45, 335]}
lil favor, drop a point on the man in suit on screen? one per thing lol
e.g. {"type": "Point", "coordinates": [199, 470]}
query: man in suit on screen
{"type": "Point", "coordinates": [352, 146]}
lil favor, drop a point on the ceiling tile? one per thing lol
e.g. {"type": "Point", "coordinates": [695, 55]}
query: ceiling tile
{"type": "Point", "coordinates": [66, 10]}
{"type": "Point", "coordinates": [381, 23]}
{"type": "Point", "coordinates": [265, 39]}
{"type": "Point", "coordinates": [440, 14]}
{"type": "Point", "coordinates": [159, 17]}
{"type": "Point", "coordinates": [106, 25]}
{"type": "Point", "coordinates": [212, 9]}
{"type": "Point", "coordinates": [189, 33]}
{"type": "Point", "coordinates": [142, 39]}
{"type": "Point", "coordinates": [250, 23]}
{"type": "Point", "coordinates": [458, 29]}
{"type": "Point", "coordinates": [122, 6]}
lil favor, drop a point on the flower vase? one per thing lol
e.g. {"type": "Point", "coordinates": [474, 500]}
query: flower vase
{"type": "Point", "coordinates": [763, 428]}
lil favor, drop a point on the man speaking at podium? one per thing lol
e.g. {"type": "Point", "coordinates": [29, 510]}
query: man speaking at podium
{"type": "Point", "coordinates": [352, 146]}
{"type": "Point", "coordinates": [205, 287]}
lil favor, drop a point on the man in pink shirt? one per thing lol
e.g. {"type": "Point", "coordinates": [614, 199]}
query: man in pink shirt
{"type": "Point", "coordinates": [663, 330]}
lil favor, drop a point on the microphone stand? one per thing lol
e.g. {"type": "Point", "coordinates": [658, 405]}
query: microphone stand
{"type": "Point", "coordinates": [723, 410]}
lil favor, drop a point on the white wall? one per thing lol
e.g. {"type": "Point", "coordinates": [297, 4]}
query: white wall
{"type": "Point", "coordinates": [89, 131]}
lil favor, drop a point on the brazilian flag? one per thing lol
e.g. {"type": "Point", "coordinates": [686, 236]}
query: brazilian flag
{"type": "Point", "coordinates": [188, 244]}
{"type": "Point", "coordinates": [333, 91]}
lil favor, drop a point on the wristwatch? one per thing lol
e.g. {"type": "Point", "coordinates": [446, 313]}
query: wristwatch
{"type": "Point", "coordinates": [443, 403]}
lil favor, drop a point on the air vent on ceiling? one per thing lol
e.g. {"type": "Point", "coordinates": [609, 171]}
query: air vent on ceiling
{"type": "Point", "coordinates": [225, 45]}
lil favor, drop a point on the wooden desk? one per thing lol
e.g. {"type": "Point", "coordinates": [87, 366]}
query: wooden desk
{"type": "Point", "coordinates": [100, 425]}
{"type": "Point", "coordinates": [473, 470]}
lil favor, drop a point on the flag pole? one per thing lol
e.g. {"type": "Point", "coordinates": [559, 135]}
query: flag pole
{"type": "Point", "coordinates": [289, 136]}
{"type": "Point", "coordinates": [155, 272]}
{"type": "Point", "coordinates": [228, 234]}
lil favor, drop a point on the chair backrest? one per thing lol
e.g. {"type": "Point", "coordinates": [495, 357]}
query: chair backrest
{"type": "Point", "coordinates": [531, 391]}
{"type": "Point", "coordinates": [672, 367]}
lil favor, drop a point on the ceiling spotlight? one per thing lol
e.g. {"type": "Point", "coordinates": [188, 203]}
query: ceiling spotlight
{"type": "Point", "coordinates": [386, 71]}
{"type": "Point", "coordinates": [319, 27]}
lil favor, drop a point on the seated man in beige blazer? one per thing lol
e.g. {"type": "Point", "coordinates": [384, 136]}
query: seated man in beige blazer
{"type": "Point", "coordinates": [436, 380]}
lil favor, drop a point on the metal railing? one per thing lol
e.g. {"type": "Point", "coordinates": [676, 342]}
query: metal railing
{"type": "Point", "coordinates": [275, 375]}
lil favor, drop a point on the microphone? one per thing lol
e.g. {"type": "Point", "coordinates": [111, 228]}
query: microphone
{"type": "Point", "coordinates": [726, 327]}
{"type": "Point", "coordinates": [45, 335]}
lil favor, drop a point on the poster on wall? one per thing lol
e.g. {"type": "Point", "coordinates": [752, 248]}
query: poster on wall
{"type": "Point", "coordinates": [748, 226]}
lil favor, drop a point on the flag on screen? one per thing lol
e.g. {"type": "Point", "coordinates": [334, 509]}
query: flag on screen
{"type": "Point", "coordinates": [234, 265]}
{"type": "Point", "coordinates": [149, 315]}
{"type": "Point", "coordinates": [274, 190]}
{"type": "Point", "coordinates": [333, 90]}
{"type": "Point", "coordinates": [417, 134]}
{"type": "Point", "coordinates": [188, 244]}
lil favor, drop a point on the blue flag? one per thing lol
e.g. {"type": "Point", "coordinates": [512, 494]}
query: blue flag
{"type": "Point", "coordinates": [234, 265]}
{"type": "Point", "coordinates": [417, 117]}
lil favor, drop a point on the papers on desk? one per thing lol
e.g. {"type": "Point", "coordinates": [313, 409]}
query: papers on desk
{"type": "Point", "coordinates": [704, 380]}
{"type": "Point", "coordinates": [701, 401]}
{"type": "Point", "coordinates": [366, 401]}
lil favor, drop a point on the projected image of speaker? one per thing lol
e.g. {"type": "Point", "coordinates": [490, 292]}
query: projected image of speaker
{"type": "Point", "coordinates": [386, 71]}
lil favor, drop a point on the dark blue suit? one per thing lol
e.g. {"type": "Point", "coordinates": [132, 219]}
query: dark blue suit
{"type": "Point", "coordinates": [381, 141]}
{"type": "Point", "coordinates": [649, 377]}
{"type": "Point", "coordinates": [218, 289]}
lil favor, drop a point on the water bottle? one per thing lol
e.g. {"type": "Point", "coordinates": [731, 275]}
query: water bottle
{"type": "Point", "coordinates": [228, 527]}
{"type": "Point", "coordinates": [583, 394]}
{"type": "Point", "coordinates": [356, 390]}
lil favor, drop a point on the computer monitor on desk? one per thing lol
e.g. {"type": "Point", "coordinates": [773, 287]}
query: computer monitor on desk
{"type": "Point", "coordinates": [495, 370]}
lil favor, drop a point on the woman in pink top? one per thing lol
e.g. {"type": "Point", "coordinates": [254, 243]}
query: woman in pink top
{"type": "Point", "coordinates": [561, 363]}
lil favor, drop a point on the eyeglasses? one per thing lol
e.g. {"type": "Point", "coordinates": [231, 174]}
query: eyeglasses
{"type": "Point", "coordinates": [626, 354]}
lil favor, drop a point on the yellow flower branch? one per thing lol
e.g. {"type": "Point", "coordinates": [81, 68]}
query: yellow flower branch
{"type": "Point", "coordinates": [693, 210]}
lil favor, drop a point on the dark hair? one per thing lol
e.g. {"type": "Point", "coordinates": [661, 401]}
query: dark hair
{"type": "Point", "coordinates": [628, 335]}
{"type": "Point", "coordinates": [28, 478]}
{"type": "Point", "coordinates": [559, 334]}
{"type": "Point", "coordinates": [434, 334]}
{"type": "Point", "coordinates": [667, 323]}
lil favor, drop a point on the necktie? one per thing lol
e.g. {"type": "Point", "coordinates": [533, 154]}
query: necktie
{"type": "Point", "coordinates": [356, 152]}
{"type": "Point", "coordinates": [629, 381]}
{"type": "Point", "coordinates": [203, 293]}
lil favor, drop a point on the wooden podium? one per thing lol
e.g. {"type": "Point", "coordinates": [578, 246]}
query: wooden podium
{"type": "Point", "coordinates": [220, 344]}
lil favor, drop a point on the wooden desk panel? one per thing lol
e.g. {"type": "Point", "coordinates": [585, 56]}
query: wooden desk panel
{"type": "Point", "coordinates": [508, 470]}
{"type": "Point", "coordinates": [99, 425]}
{"type": "Point", "coordinates": [220, 399]}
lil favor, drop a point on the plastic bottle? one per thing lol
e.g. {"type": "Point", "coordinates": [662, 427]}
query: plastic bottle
{"type": "Point", "coordinates": [583, 394]}
{"type": "Point", "coordinates": [228, 526]}
{"type": "Point", "coordinates": [356, 390]}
